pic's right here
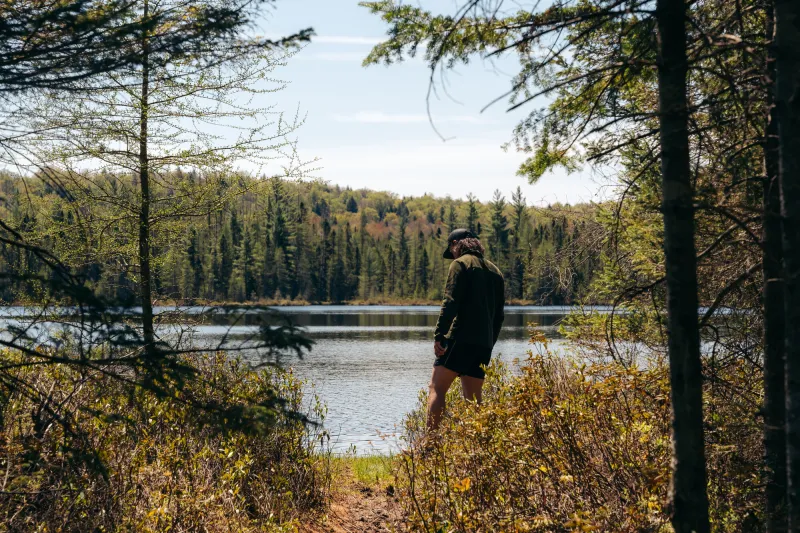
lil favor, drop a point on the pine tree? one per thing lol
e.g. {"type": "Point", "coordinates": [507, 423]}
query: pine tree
{"type": "Point", "coordinates": [215, 290]}
{"type": "Point", "coordinates": [249, 275]}
{"type": "Point", "coordinates": [352, 265]}
{"type": "Point", "coordinates": [516, 279]}
{"type": "Point", "coordinates": [472, 215]}
{"type": "Point", "coordinates": [281, 275]}
{"type": "Point", "coordinates": [391, 268]}
{"type": "Point", "coordinates": [301, 238]}
{"type": "Point", "coordinates": [403, 259]}
{"type": "Point", "coordinates": [276, 216]}
{"type": "Point", "coordinates": [452, 219]}
{"type": "Point", "coordinates": [498, 240]}
{"type": "Point", "coordinates": [225, 266]}
{"type": "Point", "coordinates": [195, 263]}
{"type": "Point", "coordinates": [424, 265]}
{"type": "Point", "coordinates": [380, 275]}
{"type": "Point", "coordinates": [236, 229]}
{"type": "Point", "coordinates": [236, 287]}
{"type": "Point", "coordinates": [153, 118]}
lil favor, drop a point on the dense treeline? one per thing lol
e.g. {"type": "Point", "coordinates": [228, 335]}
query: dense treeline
{"type": "Point", "coordinates": [280, 239]}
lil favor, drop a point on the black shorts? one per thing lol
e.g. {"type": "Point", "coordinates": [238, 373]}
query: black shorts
{"type": "Point", "coordinates": [465, 359]}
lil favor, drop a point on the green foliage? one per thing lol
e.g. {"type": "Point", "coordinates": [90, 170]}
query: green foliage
{"type": "Point", "coordinates": [563, 446]}
{"type": "Point", "coordinates": [158, 464]}
{"type": "Point", "coordinates": [254, 240]}
{"type": "Point", "coordinates": [544, 160]}
{"type": "Point", "coordinates": [444, 36]}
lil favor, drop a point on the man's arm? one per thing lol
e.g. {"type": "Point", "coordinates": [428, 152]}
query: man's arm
{"type": "Point", "coordinates": [452, 297]}
{"type": "Point", "coordinates": [500, 302]}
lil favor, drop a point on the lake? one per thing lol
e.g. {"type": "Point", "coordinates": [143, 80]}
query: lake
{"type": "Point", "coordinates": [369, 363]}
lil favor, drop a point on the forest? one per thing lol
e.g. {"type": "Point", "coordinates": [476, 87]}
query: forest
{"type": "Point", "coordinates": [676, 408]}
{"type": "Point", "coordinates": [294, 240]}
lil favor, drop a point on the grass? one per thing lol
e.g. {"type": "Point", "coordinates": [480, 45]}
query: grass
{"type": "Point", "coordinates": [370, 470]}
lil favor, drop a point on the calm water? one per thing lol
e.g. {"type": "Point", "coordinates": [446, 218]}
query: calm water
{"type": "Point", "coordinates": [369, 363]}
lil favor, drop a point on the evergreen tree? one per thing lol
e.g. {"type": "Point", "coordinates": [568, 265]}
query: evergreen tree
{"type": "Point", "coordinates": [352, 265]}
{"type": "Point", "coordinates": [249, 275]}
{"type": "Point", "coordinates": [403, 259]}
{"type": "Point", "coordinates": [498, 240]}
{"type": "Point", "coordinates": [195, 263]}
{"type": "Point", "coordinates": [276, 216]}
{"type": "Point", "coordinates": [281, 275]}
{"type": "Point", "coordinates": [236, 229]}
{"type": "Point", "coordinates": [424, 265]}
{"type": "Point", "coordinates": [452, 219]}
{"type": "Point", "coordinates": [391, 269]}
{"type": "Point", "coordinates": [302, 274]}
{"type": "Point", "coordinates": [236, 287]}
{"type": "Point", "coordinates": [472, 215]}
{"type": "Point", "coordinates": [226, 258]}
{"type": "Point", "coordinates": [215, 290]}
{"type": "Point", "coordinates": [380, 275]}
{"type": "Point", "coordinates": [516, 278]}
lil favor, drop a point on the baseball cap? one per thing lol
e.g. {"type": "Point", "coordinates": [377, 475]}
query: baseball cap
{"type": "Point", "coordinates": [456, 235]}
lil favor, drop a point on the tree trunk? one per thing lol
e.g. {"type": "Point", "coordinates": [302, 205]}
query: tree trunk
{"type": "Point", "coordinates": [688, 491]}
{"type": "Point", "coordinates": [787, 111]}
{"type": "Point", "coordinates": [774, 321]}
{"type": "Point", "coordinates": [145, 278]}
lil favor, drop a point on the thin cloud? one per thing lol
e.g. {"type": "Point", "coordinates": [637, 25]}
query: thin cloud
{"type": "Point", "coordinates": [347, 39]}
{"type": "Point", "coordinates": [379, 117]}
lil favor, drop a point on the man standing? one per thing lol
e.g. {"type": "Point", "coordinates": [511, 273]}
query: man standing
{"type": "Point", "coordinates": [469, 322]}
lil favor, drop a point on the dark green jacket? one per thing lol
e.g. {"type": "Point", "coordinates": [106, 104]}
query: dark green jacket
{"type": "Point", "coordinates": [472, 309]}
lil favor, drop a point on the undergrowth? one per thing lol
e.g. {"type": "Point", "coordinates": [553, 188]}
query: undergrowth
{"type": "Point", "coordinates": [562, 446]}
{"type": "Point", "coordinates": [130, 460]}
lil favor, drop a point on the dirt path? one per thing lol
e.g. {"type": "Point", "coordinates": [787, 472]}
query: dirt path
{"type": "Point", "coordinates": [360, 508]}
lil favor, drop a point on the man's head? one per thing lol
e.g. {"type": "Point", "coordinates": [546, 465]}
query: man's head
{"type": "Point", "coordinates": [460, 241]}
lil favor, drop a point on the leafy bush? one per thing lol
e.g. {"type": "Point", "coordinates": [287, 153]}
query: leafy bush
{"type": "Point", "coordinates": [135, 461]}
{"type": "Point", "coordinates": [561, 446]}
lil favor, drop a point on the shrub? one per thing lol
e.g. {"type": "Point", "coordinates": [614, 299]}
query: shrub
{"type": "Point", "coordinates": [125, 459]}
{"type": "Point", "coordinates": [562, 446]}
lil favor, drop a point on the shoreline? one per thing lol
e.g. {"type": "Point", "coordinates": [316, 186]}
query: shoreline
{"type": "Point", "coordinates": [306, 303]}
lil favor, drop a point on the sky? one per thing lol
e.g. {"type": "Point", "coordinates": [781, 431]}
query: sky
{"type": "Point", "coordinates": [369, 127]}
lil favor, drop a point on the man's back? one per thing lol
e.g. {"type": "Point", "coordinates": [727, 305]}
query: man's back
{"type": "Point", "coordinates": [472, 311]}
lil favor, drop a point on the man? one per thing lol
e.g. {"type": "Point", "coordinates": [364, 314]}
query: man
{"type": "Point", "coordinates": [469, 322]}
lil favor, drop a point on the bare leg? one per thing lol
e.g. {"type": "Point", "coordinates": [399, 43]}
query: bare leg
{"type": "Point", "coordinates": [471, 388]}
{"type": "Point", "coordinates": [441, 380]}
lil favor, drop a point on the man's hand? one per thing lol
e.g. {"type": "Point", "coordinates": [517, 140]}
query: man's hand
{"type": "Point", "coordinates": [439, 349]}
